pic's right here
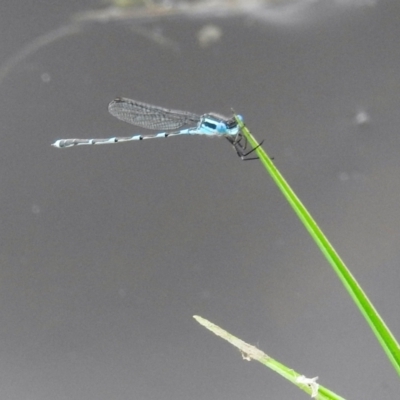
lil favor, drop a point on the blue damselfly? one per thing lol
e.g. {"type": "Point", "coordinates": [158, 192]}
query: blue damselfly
{"type": "Point", "coordinates": [153, 117]}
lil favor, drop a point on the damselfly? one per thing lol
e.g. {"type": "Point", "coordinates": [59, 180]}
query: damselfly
{"type": "Point", "coordinates": [154, 117]}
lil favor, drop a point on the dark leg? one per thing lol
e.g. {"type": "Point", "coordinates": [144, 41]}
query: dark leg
{"type": "Point", "coordinates": [239, 143]}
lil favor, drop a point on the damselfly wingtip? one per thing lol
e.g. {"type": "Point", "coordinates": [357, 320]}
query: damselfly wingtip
{"type": "Point", "coordinates": [112, 103]}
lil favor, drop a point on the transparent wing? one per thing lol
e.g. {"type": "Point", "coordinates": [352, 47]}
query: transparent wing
{"type": "Point", "coordinates": [149, 116]}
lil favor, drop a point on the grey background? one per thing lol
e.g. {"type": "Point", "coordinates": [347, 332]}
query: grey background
{"type": "Point", "coordinates": [106, 252]}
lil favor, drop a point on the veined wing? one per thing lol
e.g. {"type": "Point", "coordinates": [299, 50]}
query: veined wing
{"type": "Point", "coordinates": [149, 116]}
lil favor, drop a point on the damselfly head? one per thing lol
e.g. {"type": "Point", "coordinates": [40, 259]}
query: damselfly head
{"type": "Point", "coordinates": [231, 123]}
{"type": "Point", "coordinates": [240, 117]}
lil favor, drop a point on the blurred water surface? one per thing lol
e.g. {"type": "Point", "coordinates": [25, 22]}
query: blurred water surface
{"type": "Point", "coordinates": [107, 251]}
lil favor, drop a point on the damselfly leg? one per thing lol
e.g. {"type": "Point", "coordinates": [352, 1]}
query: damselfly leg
{"type": "Point", "coordinates": [239, 143]}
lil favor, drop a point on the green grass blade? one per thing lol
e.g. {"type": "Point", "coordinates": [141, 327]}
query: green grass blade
{"type": "Point", "coordinates": [378, 326]}
{"type": "Point", "coordinates": [250, 352]}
